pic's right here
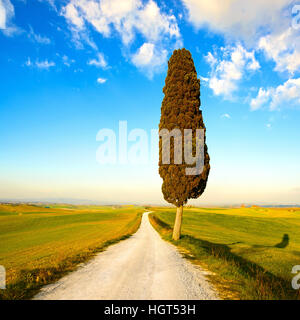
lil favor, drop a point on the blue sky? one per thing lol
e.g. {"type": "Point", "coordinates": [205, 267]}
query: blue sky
{"type": "Point", "coordinates": [70, 68]}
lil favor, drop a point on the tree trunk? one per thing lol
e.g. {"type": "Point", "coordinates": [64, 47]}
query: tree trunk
{"type": "Point", "coordinates": [177, 224]}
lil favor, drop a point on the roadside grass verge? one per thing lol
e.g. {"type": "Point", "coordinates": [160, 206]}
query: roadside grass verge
{"type": "Point", "coordinates": [38, 244]}
{"type": "Point", "coordinates": [243, 261]}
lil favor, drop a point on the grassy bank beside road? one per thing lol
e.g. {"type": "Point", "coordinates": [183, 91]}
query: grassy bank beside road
{"type": "Point", "coordinates": [250, 251]}
{"type": "Point", "coordinates": [39, 244]}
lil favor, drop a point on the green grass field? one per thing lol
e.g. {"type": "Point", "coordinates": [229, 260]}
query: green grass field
{"type": "Point", "coordinates": [250, 251]}
{"type": "Point", "coordinates": [39, 244]}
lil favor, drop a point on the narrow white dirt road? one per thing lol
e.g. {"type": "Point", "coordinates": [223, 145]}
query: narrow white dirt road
{"type": "Point", "coordinates": [141, 267]}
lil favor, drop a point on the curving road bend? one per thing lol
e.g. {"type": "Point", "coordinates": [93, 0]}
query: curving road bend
{"type": "Point", "coordinates": [141, 267]}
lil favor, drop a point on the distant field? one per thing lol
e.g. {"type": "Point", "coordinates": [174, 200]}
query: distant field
{"type": "Point", "coordinates": [250, 250]}
{"type": "Point", "coordinates": [38, 244]}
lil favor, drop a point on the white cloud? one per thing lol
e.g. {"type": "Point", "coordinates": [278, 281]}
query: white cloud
{"type": "Point", "coordinates": [287, 93]}
{"type": "Point", "coordinates": [237, 19]}
{"type": "Point", "coordinates": [226, 115]}
{"type": "Point", "coordinates": [45, 64]}
{"type": "Point", "coordinates": [152, 23]}
{"type": "Point", "coordinates": [211, 59]}
{"type": "Point", "coordinates": [204, 79]}
{"type": "Point", "coordinates": [128, 18]}
{"type": "Point", "coordinates": [71, 14]}
{"type": "Point", "coordinates": [228, 69]}
{"type": "Point", "coordinates": [77, 26]}
{"type": "Point", "coordinates": [283, 48]}
{"type": "Point", "coordinates": [101, 80]}
{"type": "Point", "coordinates": [263, 25]}
{"type": "Point", "coordinates": [7, 12]}
{"type": "Point", "coordinates": [99, 62]}
{"type": "Point", "coordinates": [262, 98]}
{"type": "Point", "coordinates": [149, 58]}
{"type": "Point", "coordinates": [2, 16]}
{"type": "Point", "coordinates": [144, 55]}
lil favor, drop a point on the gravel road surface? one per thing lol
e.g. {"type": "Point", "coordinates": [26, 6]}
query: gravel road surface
{"type": "Point", "coordinates": [141, 267]}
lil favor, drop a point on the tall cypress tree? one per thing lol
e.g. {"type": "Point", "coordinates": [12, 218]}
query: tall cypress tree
{"type": "Point", "coordinates": [181, 110]}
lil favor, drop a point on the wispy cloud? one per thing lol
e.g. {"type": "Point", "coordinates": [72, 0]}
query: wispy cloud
{"type": "Point", "coordinates": [67, 61]}
{"type": "Point", "coordinates": [40, 64]}
{"type": "Point", "coordinates": [127, 19]}
{"type": "Point", "coordinates": [37, 37]}
{"type": "Point", "coordinates": [28, 62]}
{"type": "Point", "coordinates": [50, 2]}
{"type": "Point", "coordinates": [226, 116]}
{"type": "Point", "coordinates": [99, 62]}
{"type": "Point", "coordinates": [45, 64]}
{"type": "Point", "coordinates": [101, 80]}
{"type": "Point", "coordinates": [278, 97]}
{"type": "Point", "coordinates": [204, 79]}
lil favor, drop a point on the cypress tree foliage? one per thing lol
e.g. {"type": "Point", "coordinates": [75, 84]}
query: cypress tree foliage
{"type": "Point", "coordinates": [181, 110]}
